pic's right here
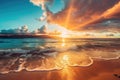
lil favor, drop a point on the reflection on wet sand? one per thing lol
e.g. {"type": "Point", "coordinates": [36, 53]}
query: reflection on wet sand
{"type": "Point", "coordinates": [63, 59]}
{"type": "Point", "coordinates": [100, 70]}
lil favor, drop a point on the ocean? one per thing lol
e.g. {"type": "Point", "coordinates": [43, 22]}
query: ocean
{"type": "Point", "coordinates": [40, 54]}
{"type": "Point", "coordinates": [32, 43]}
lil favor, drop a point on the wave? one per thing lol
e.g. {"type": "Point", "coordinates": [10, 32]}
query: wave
{"type": "Point", "coordinates": [46, 58]}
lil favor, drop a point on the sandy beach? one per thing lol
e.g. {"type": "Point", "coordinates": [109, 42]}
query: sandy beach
{"type": "Point", "coordinates": [100, 70]}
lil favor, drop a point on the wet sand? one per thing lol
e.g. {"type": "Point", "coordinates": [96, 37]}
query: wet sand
{"type": "Point", "coordinates": [99, 70]}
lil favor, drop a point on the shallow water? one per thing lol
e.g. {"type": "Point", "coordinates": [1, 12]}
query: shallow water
{"type": "Point", "coordinates": [33, 54]}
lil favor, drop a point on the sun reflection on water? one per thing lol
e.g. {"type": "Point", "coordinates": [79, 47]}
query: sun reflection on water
{"type": "Point", "coordinates": [63, 42]}
{"type": "Point", "coordinates": [67, 73]}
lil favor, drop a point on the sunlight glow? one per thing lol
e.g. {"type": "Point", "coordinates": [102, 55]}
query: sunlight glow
{"type": "Point", "coordinates": [63, 42]}
{"type": "Point", "coordinates": [65, 61]}
{"type": "Point", "coordinates": [65, 57]}
{"type": "Point", "coordinates": [67, 72]}
{"type": "Point", "coordinates": [64, 35]}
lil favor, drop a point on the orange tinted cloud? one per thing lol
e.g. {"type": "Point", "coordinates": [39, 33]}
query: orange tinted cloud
{"type": "Point", "coordinates": [112, 11]}
{"type": "Point", "coordinates": [80, 13]}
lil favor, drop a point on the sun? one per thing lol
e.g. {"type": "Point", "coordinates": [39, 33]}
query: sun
{"type": "Point", "coordinates": [63, 32]}
{"type": "Point", "coordinates": [64, 35]}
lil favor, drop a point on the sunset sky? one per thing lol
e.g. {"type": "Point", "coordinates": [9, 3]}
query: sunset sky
{"type": "Point", "coordinates": [59, 39]}
{"type": "Point", "coordinates": [76, 15]}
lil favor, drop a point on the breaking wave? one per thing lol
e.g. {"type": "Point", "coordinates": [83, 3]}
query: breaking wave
{"type": "Point", "coordinates": [57, 56]}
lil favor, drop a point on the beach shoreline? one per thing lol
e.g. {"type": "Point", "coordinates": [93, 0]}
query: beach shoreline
{"type": "Point", "coordinates": [100, 70]}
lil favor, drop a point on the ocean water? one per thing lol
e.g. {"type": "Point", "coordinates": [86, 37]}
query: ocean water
{"type": "Point", "coordinates": [31, 43]}
{"type": "Point", "coordinates": [35, 54]}
{"type": "Point", "coordinates": [22, 43]}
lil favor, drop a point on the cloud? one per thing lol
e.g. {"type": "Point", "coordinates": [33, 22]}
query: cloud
{"type": "Point", "coordinates": [112, 11]}
{"type": "Point", "coordinates": [23, 29]}
{"type": "Point", "coordinates": [41, 3]}
{"type": "Point", "coordinates": [112, 25]}
{"type": "Point", "coordinates": [44, 6]}
{"type": "Point", "coordinates": [43, 30]}
{"type": "Point", "coordinates": [79, 14]}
